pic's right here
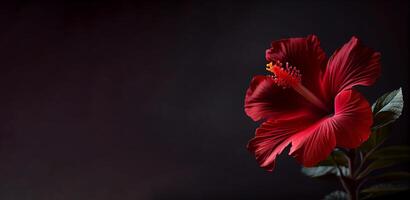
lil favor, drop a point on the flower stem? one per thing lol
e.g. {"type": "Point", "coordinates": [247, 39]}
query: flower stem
{"type": "Point", "coordinates": [349, 182]}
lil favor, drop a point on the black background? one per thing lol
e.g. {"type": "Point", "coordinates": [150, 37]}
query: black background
{"type": "Point", "coordinates": [104, 100]}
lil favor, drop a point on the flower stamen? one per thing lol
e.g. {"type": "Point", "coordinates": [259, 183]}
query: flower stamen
{"type": "Point", "coordinates": [284, 77]}
{"type": "Point", "coordinates": [290, 77]}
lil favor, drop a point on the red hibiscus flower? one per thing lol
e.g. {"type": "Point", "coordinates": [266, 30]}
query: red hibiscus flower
{"type": "Point", "coordinates": [309, 102]}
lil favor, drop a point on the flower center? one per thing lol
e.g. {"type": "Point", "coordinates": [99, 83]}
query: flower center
{"type": "Point", "coordinates": [284, 77]}
{"type": "Point", "coordinates": [290, 77]}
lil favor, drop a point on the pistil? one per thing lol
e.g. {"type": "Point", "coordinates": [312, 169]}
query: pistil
{"type": "Point", "coordinates": [289, 76]}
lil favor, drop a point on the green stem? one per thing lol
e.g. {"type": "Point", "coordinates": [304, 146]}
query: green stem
{"type": "Point", "coordinates": [366, 156]}
{"type": "Point", "coordinates": [349, 183]}
{"type": "Point", "coordinates": [352, 183]}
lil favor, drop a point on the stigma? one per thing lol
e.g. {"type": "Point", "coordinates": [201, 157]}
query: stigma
{"type": "Point", "coordinates": [284, 77]}
{"type": "Point", "coordinates": [290, 77]}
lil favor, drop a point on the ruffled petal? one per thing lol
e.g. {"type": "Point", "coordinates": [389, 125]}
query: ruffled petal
{"type": "Point", "coordinates": [273, 136]}
{"type": "Point", "coordinates": [264, 99]}
{"type": "Point", "coordinates": [353, 64]}
{"type": "Point", "coordinates": [352, 120]}
{"type": "Point", "coordinates": [303, 53]}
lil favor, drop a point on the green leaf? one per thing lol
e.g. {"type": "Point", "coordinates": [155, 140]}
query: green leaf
{"type": "Point", "coordinates": [378, 164]}
{"type": "Point", "coordinates": [336, 195]}
{"type": "Point", "coordinates": [398, 152]}
{"type": "Point", "coordinates": [384, 189]}
{"type": "Point", "coordinates": [324, 170]}
{"type": "Point", "coordinates": [337, 156]}
{"type": "Point", "coordinates": [387, 108]}
{"type": "Point", "coordinates": [327, 166]}
{"type": "Point", "coordinates": [392, 176]}
{"type": "Point", "coordinates": [387, 157]}
{"type": "Point", "coordinates": [376, 138]}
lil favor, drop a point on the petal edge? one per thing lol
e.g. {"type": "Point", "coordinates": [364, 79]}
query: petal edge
{"type": "Point", "coordinates": [351, 65]}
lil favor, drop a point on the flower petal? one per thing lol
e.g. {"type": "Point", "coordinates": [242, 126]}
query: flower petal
{"type": "Point", "coordinates": [273, 136]}
{"type": "Point", "coordinates": [314, 144]}
{"type": "Point", "coordinates": [349, 128]}
{"type": "Point", "coordinates": [353, 119]}
{"type": "Point", "coordinates": [265, 99]}
{"type": "Point", "coordinates": [353, 64]}
{"type": "Point", "coordinates": [303, 53]}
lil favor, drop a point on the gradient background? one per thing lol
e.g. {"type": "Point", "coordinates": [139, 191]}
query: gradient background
{"type": "Point", "coordinates": [104, 100]}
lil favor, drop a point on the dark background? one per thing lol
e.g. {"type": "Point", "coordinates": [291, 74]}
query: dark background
{"type": "Point", "coordinates": [103, 100]}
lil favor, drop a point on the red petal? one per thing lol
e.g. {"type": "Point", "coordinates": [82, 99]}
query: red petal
{"type": "Point", "coordinates": [303, 53]}
{"type": "Point", "coordinates": [314, 144]}
{"type": "Point", "coordinates": [352, 119]}
{"type": "Point", "coordinates": [264, 99]}
{"type": "Point", "coordinates": [349, 128]}
{"type": "Point", "coordinates": [273, 136]}
{"type": "Point", "coordinates": [353, 64]}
